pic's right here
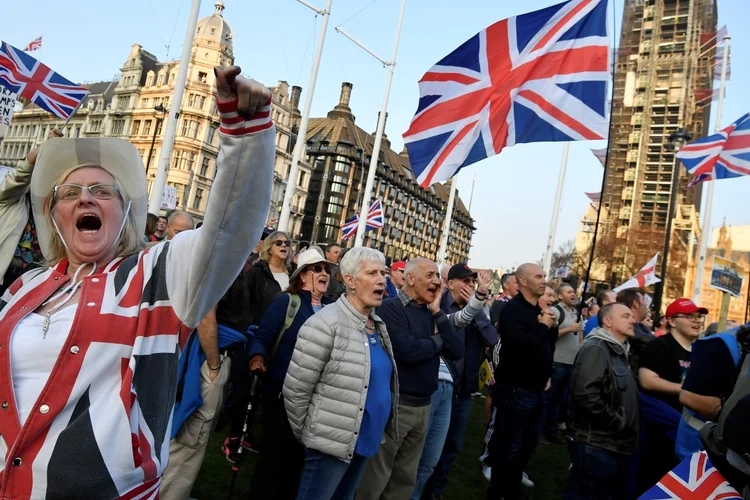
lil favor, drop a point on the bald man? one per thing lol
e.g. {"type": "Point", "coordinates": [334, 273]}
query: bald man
{"type": "Point", "coordinates": [521, 377]}
{"type": "Point", "coordinates": [178, 222]}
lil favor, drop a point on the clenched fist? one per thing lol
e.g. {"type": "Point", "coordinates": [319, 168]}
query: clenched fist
{"type": "Point", "coordinates": [230, 85]}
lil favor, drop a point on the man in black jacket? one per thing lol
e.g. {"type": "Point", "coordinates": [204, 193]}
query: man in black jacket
{"type": "Point", "coordinates": [420, 333]}
{"type": "Point", "coordinates": [605, 418]}
{"type": "Point", "coordinates": [522, 375]}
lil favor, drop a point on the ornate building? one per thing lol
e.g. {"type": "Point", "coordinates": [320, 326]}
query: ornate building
{"type": "Point", "coordinates": [339, 153]}
{"type": "Point", "coordinates": [134, 107]}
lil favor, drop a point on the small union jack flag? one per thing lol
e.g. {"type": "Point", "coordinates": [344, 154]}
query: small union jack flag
{"type": "Point", "coordinates": [537, 77]}
{"type": "Point", "coordinates": [23, 75]}
{"type": "Point", "coordinates": [374, 220]}
{"type": "Point", "coordinates": [694, 479]}
{"type": "Point", "coordinates": [723, 155]}
{"type": "Point", "coordinates": [33, 45]}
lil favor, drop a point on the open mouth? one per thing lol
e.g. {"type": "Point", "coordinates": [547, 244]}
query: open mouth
{"type": "Point", "coordinates": [379, 292]}
{"type": "Point", "coordinates": [323, 280]}
{"type": "Point", "coordinates": [89, 224]}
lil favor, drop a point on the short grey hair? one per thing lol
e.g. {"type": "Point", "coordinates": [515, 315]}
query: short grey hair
{"type": "Point", "coordinates": [352, 262]}
{"type": "Point", "coordinates": [180, 213]}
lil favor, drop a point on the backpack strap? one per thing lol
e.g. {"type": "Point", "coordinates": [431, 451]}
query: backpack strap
{"type": "Point", "coordinates": [291, 312]}
{"type": "Point", "coordinates": [562, 314]}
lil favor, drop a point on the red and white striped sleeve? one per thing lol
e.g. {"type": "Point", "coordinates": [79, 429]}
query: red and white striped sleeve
{"type": "Point", "coordinates": [232, 123]}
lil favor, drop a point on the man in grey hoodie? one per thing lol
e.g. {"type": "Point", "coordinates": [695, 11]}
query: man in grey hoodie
{"type": "Point", "coordinates": [605, 419]}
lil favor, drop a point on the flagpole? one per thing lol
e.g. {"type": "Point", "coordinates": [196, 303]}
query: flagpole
{"type": "Point", "coordinates": [167, 146]}
{"type": "Point", "coordinates": [447, 222]}
{"type": "Point", "coordinates": [390, 66]}
{"type": "Point", "coordinates": [556, 210]}
{"type": "Point", "coordinates": [471, 197]}
{"type": "Point", "coordinates": [301, 145]}
{"type": "Point", "coordinates": [705, 233]}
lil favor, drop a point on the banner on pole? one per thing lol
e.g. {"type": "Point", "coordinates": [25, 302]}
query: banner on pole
{"type": "Point", "coordinates": [727, 276]}
{"type": "Point", "coordinates": [169, 198]}
{"type": "Point", "coordinates": [7, 106]}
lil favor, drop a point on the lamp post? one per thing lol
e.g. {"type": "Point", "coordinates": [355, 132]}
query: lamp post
{"type": "Point", "coordinates": [677, 139]}
{"type": "Point", "coordinates": [160, 109]}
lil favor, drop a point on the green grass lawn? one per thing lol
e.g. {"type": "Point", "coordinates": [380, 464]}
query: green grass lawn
{"type": "Point", "coordinates": [548, 468]}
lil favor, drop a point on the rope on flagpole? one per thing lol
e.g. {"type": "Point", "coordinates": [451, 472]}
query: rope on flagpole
{"type": "Point", "coordinates": [604, 174]}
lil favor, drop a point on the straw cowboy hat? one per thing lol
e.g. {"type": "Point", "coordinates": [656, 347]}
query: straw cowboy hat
{"type": "Point", "coordinates": [116, 156]}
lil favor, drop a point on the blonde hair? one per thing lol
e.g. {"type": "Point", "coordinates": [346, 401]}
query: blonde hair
{"type": "Point", "coordinates": [130, 241]}
{"type": "Point", "coordinates": [265, 253]}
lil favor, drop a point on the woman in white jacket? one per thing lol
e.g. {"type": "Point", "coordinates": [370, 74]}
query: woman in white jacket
{"type": "Point", "coordinates": [341, 389]}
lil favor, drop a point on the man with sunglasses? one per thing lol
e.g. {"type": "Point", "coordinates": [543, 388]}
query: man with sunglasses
{"type": "Point", "coordinates": [664, 364]}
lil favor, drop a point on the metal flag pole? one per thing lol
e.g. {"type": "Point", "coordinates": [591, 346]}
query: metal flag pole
{"type": "Point", "coordinates": [705, 234]}
{"type": "Point", "coordinates": [162, 167]}
{"type": "Point", "coordinates": [556, 210]}
{"type": "Point", "coordinates": [447, 223]}
{"type": "Point", "coordinates": [301, 145]}
{"type": "Point", "coordinates": [390, 66]}
{"type": "Point", "coordinates": [471, 197]}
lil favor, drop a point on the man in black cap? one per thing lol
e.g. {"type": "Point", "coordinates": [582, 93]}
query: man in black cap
{"type": "Point", "coordinates": [459, 379]}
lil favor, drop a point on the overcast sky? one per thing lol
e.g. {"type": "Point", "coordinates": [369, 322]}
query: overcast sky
{"type": "Point", "coordinates": [274, 40]}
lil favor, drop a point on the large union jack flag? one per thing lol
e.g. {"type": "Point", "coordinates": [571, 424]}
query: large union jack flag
{"type": "Point", "coordinates": [723, 155]}
{"type": "Point", "coordinates": [374, 220]}
{"type": "Point", "coordinates": [694, 479]}
{"type": "Point", "coordinates": [23, 75]}
{"type": "Point", "coordinates": [537, 77]}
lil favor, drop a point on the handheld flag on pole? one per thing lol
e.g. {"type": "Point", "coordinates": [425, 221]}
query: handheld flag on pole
{"type": "Point", "coordinates": [33, 45]}
{"type": "Point", "coordinates": [537, 77]}
{"type": "Point", "coordinates": [486, 377]}
{"type": "Point", "coordinates": [374, 220]}
{"type": "Point", "coordinates": [723, 155]}
{"type": "Point", "coordinates": [25, 76]}
{"type": "Point", "coordinates": [643, 278]}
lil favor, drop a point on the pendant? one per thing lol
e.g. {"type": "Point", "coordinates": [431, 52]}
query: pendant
{"type": "Point", "coordinates": [373, 339]}
{"type": "Point", "coordinates": [45, 326]}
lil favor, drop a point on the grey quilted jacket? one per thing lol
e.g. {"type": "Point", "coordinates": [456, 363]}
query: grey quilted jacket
{"type": "Point", "coordinates": [326, 385]}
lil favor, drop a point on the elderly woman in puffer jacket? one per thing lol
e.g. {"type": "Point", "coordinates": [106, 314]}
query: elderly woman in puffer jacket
{"type": "Point", "coordinates": [341, 389]}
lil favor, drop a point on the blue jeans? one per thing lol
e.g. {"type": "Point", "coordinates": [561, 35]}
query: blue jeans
{"type": "Point", "coordinates": [596, 473]}
{"type": "Point", "coordinates": [328, 478]}
{"type": "Point", "coordinates": [518, 423]}
{"type": "Point", "coordinates": [556, 398]}
{"type": "Point", "coordinates": [453, 443]}
{"type": "Point", "coordinates": [440, 420]}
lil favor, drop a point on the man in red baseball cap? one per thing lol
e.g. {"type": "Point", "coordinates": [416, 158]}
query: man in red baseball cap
{"type": "Point", "coordinates": [664, 363]}
{"type": "Point", "coordinates": [397, 274]}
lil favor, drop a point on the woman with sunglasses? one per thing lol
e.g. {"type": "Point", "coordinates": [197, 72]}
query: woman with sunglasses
{"type": "Point", "coordinates": [265, 279]}
{"type": "Point", "coordinates": [270, 352]}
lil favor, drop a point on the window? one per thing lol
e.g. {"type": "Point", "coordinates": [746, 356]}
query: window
{"type": "Point", "coordinates": [118, 127]}
{"type": "Point", "coordinates": [302, 179]}
{"type": "Point", "coordinates": [191, 161]}
{"type": "Point", "coordinates": [136, 127]}
{"type": "Point", "coordinates": [147, 127]}
{"type": "Point", "coordinates": [171, 78]}
{"type": "Point", "coordinates": [198, 200]}
{"type": "Point", "coordinates": [160, 81]}
{"type": "Point", "coordinates": [202, 76]}
{"type": "Point", "coordinates": [211, 134]}
{"type": "Point", "coordinates": [185, 126]}
{"type": "Point", "coordinates": [205, 164]}
{"type": "Point", "coordinates": [149, 81]}
{"type": "Point", "coordinates": [94, 125]}
{"type": "Point", "coordinates": [176, 159]}
{"type": "Point", "coordinates": [144, 103]}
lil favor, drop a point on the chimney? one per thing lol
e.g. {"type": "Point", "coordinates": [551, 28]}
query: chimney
{"type": "Point", "coordinates": [296, 92]}
{"type": "Point", "coordinates": [346, 94]}
{"type": "Point", "coordinates": [342, 109]}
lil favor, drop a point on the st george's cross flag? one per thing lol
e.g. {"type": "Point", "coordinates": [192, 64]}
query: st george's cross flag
{"type": "Point", "coordinates": [537, 77]}
{"type": "Point", "coordinates": [694, 479]}
{"type": "Point", "coordinates": [723, 155]}
{"type": "Point", "coordinates": [643, 278]}
{"type": "Point", "coordinates": [35, 44]}
{"type": "Point", "coordinates": [374, 220]}
{"type": "Point", "coordinates": [25, 76]}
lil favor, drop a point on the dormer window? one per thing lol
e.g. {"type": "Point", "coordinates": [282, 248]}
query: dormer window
{"type": "Point", "coordinates": [213, 31]}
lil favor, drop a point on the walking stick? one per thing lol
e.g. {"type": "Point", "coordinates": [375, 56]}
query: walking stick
{"type": "Point", "coordinates": [249, 414]}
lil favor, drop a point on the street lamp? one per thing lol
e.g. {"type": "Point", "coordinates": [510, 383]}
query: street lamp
{"type": "Point", "coordinates": [677, 139]}
{"type": "Point", "coordinates": [160, 108]}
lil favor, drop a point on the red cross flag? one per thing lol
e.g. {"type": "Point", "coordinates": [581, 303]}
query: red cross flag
{"type": "Point", "coordinates": [643, 278]}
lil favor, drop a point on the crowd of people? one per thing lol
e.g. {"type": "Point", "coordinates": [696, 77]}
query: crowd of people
{"type": "Point", "coordinates": [125, 335]}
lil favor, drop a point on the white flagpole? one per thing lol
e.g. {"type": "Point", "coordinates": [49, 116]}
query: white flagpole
{"type": "Point", "coordinates": [390, 65]}
{"type": "Point", "coordinates": [556, 210]}
{"type": "Point", "coordinates": [301, 145]}
{"type": "Point", "coordinates": [162, 167]}
{"type": "Point", "coordinates": [447, 223]}
{"type": "Point", "coordinates": [700, 264]}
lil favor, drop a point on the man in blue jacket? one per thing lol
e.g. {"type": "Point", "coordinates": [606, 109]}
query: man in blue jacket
{"type": "Point", "coordinates": [420, 332]}
{"type": "Point", "coordinates": [463, 375]}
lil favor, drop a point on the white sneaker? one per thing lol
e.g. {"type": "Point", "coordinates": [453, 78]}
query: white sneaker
{"type": "Point", "coordinates": [487, 472]}
{"type": "Point", "coordinates": [526, 481]}
{"type": "Point", "coordinates": [561, 426]}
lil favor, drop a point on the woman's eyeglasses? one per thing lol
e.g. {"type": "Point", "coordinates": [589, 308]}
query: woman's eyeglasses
{"type": "Point", "coordinates": [71, 192]}
{"type": "Point", "coordinates": [320, 268]}
{"type": "Point", "coordinates": [285, 243]}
